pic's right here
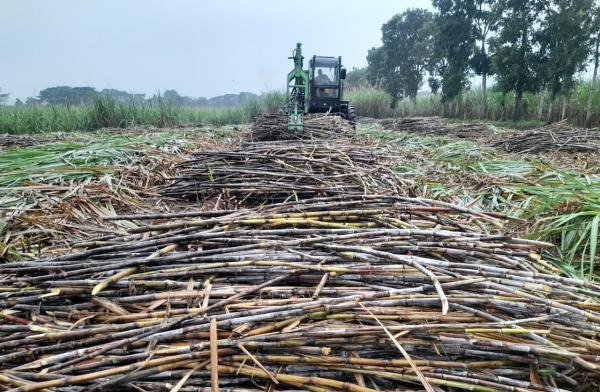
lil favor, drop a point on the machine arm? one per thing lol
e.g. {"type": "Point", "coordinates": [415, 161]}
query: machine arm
{"type": "Point", "coordinates": [297, 91]}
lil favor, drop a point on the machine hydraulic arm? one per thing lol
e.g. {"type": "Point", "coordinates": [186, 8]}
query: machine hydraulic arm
{"type": "Point", "coordinates": [297, 91]}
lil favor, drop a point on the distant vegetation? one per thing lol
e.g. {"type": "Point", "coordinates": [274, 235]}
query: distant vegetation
{"type": "Point", "coordinates": [537, 108]}
{"type": "Point", "coordinates": [3, 97]}
{"type": "Point", "coordinates": [68, 109]}
{"type": "Point", "coordinates": [371, 102]}
{"type": "Point", "coordinates": [66, 95]}
{"type": "Point", "coordinates": [106, 111]}
{"type": "Point", "coordinates": [500, 106]}
{"type": "Point", "coordinates": [534, 50]}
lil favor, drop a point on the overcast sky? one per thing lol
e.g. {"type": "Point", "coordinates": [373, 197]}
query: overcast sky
{"type": "Point", "coordinates": [199, 48]}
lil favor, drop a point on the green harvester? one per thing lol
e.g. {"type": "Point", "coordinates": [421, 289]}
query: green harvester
{"type": "Point", "coordinates": [316, 90]}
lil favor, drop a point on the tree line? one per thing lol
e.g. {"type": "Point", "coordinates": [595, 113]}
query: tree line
{"type": "Point", "coordinates": [66, 95]}
{"type": "Point", "coordinates": [525, 45]}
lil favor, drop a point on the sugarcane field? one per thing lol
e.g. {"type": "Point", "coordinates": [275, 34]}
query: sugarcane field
{"type": "Point", "coordinates": [402, 197]}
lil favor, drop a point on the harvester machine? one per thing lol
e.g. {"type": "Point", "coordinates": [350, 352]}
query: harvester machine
{"type": "Point", "coordinates": [314, 107]}
{"type": "Point", "coordinates": [319, 89]}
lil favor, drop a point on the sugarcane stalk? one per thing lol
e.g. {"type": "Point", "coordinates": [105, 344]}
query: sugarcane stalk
{"type": "Point", "coordinates": [297, 299]}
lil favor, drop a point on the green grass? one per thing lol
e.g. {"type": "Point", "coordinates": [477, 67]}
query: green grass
{"type": "Point", "coordinates": [460, 151]}
{"type": "Point", "coordinates": [503, 168]}
{"type": "Point", "coordinates": [567, 208]}
{"type": "Point", "coordinates": [370, 102]}
{"type": "Point", "coordinates": [46, 186]}
{"type": "Point", "coordinates": [500, 107]}
{"type": "Point", "coordinates": [402, 140]}
{"type": "Point", "coordinates": [107, 112]}
{"type": "Point", "coordinates": [560, 206]}
{"type": "Point", "coordinates": [58, 163]}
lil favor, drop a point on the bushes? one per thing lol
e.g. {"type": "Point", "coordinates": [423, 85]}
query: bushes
{"type": "Point", "coordinates": [536, 107]}
{"type": "Point", "coordinates": [104, 111]}
{"type": "Point", "coordinates": [269, 102]}
{"type": "Point", "coordinates": [370, 102]}
{"type": "Point", "coordinates": [42, 119]}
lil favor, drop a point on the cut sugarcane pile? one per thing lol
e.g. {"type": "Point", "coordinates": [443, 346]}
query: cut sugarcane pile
{"type": "Point", "coordinates": [316, 126]}
{"type": "Point", "coordinates": [435, 126]}
{"type": "Point", "coordinates": [343, 293]}
{"type": "Point", "coordinates": [560, 136]}
{"type": "Point", "coordinates": [19, 141]}
{"type": "Point", "coordinates": [261, 172]}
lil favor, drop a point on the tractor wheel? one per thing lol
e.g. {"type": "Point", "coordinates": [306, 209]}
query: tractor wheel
{"type": "Point", "coordinates": [351, 116]}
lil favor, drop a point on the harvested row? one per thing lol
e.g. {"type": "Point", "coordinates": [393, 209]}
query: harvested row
{"type": "Point", "coordinates": [270, 127]}
{"type": "Point", "coordinates": [263, 172]}
{"type": "Point", "coordinates": [359, 293]}
{"type": "Point", "coordinates": [11, 141]}
{"type": "Point", "coordinates": [55, 194]}
{"type": "Point", "coordinates": [45, 217]}
{"type": "Point", "coordinates": [47, 207]}
{"type": "Point", "coordinates": [559, 136]}
{"type": "Point", "coordinates": [435, 126]}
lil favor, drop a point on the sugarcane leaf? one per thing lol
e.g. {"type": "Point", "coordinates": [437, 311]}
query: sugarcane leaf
{"type": "Point", "coordinates": [593, 241]}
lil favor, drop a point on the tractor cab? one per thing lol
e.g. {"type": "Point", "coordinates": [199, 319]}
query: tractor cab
{"type": "Point", "coordinates": [326, 75]}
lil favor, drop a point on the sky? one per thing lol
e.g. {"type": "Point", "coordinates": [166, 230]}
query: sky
{"type": "Point", "coordinates": [199, 48]}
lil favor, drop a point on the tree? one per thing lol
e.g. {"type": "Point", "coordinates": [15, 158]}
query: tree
{"type": "Point", "coordinates": [83, 95]}
{"type": "Point", "coordinates": [564, 41]}
{"type": "Point", "coordinates": [65, 95]}
{"type": "Point", "coordinates": [356, 78]}
{"type": "Point", "coordinates": [434, 85]}
{"type": "Point", "coordinates": [123, 96]}
{"type": "Point", "coordinates": [484, 22]}
{"type": "Point", "coordinates": [454, 44]}
{"type": "Point", "coordinates": [3, 97]}
{"type": "Point", "coordinates": [19, 103]}
{"type": "Point", "coordinates": [400, 62]}
{"type": "Point", "coordinates": [201, 101]}
{"type": "Point", "coordinates": [406, 42]}
{"type": "Point", "coordinates": [596, 39]}
{"type": "Point", "coordinates": [172, 97]}
{"type": "Point", "coordinates": [515, 59]}
{"type": "Point", "coordinates": [377, 72]}
{"type": "Point", "coordinates": [30, 101]}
